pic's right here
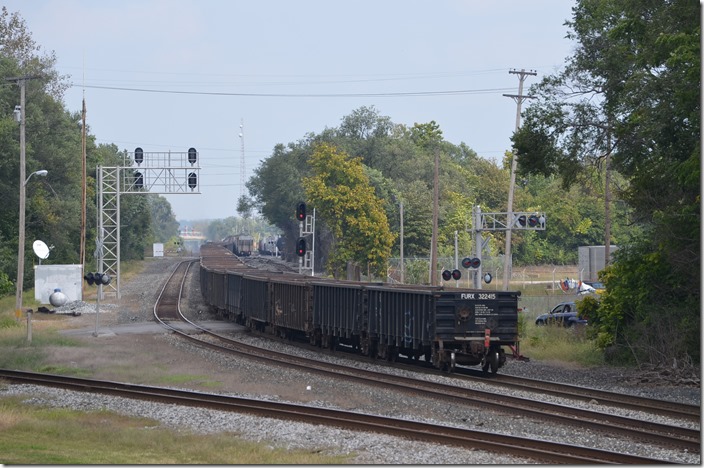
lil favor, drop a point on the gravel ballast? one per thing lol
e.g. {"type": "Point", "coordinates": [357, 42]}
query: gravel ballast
{"type": "Point", "coordinates": [256, 380]}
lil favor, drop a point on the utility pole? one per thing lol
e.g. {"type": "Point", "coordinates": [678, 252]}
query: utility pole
{"type": "Point", "coordinates": [403, 279]}
{"type": "Point", "coordinates": [21, 81]}
{"type": "Point", "coordinates": [519, 98]}
{"type": "Point", "coordinates": [434, 244]}
{"type": "Point", "coordinates": [82, 254]}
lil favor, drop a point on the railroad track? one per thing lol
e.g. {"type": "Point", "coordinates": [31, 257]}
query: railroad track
{"type": "Point", "coordinates": [671, 409]}
{"type": "Point", "coordinates": [658, 434]}
{"type": "Point", "coordinates": [548, 452]}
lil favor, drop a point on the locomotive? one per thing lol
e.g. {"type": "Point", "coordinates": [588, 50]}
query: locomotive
{"type": "Point", "coordinates": [444, 326]}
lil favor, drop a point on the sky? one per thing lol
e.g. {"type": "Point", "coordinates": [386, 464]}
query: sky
{"type": "Point", "coordinates": [235, 78]}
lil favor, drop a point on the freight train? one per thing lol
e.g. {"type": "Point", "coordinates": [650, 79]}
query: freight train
{"type": "Point", "coordinates": [444, 326]}
{"type": "Point", "coordinates": [240, 244]}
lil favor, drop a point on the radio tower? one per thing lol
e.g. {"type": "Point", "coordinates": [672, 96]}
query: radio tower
{"type": "Point", "coordinates": [243, 168]}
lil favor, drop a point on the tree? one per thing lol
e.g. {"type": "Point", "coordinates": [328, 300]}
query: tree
{"type": "Point", "coordinates": [163, 220]}
{"type": "Point", "coordinates": [640, 64]}
{"type": "Point", "coordinates": [344, 199]}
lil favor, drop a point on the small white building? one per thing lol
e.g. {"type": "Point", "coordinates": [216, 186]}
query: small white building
{"type": "Point", "coordinates": [158, 250]}
{"type": "Point", "coordinates": [68, 278]}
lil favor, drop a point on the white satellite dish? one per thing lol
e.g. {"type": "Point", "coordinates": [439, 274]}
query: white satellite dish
{"type": "Point", "coordinates": [41, 249]}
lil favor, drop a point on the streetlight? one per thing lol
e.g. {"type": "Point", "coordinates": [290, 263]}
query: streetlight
{"type": "Point", "coordinates": [20, 253]}
{"type": "Point", "coordinates": [42, 173]}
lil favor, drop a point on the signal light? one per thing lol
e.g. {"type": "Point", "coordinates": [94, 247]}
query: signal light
{"type": "Point", "coordinates": [138, 180]}
{"type": "Point", "coordinates": [192, 156]}
{"type": "Point", "coordinates": [446, 275]}
{"type": "Point", "coordinates": [301, 211]}
{"type": "Point", "coordinates": [301, 247]}
{"type": "Point", "coordinates": [456, 274]}
{"type": "Point", "coordinates": [532, 221]}
{"type": "Point", "coordinates": [521, 220]}
{"type": "Point", "coordinates": [192, 180]}
{"type": "Point", "coordinates": [471, 262]}
{"type": "Point", "coordinates": [138, 156]}
{"type": "Point", "coordinates": [90, 279]}
{"type": "Point", "coordinates": [98, 279]}
{"type": "Point", "coordinates": [488, 278]}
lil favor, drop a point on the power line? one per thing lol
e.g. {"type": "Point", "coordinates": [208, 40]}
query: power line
{"type": "Point", "coordinates": [302, 95]}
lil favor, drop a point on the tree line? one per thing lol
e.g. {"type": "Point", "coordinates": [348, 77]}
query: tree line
{"type": "Point", "coordinates": [54, 143]}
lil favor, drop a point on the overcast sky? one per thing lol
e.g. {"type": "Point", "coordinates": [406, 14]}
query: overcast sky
{"type": "Point", "coordinates": [283, 69]}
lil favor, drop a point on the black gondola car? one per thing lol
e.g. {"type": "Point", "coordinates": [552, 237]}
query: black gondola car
{"type": "Point", "coordinates": [444, 326]}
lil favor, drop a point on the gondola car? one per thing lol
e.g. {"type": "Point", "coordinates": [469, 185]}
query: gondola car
{"type": "Point", "coordinates": [445, 327]}
{"type": "Point", "coordinates": [241, 245]}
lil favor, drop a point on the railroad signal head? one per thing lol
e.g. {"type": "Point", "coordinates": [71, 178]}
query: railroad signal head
{"type": "Point", "coordinates": [138, 156]}
{"type": "Point", "coordinates": [192, 156]}
{"type": "Point", "coordinates": [98, 279]}
{"type": "Point", "coordinates": [138, 180]}
{"type": "Point", "coordinates": [104, 278]}
{"type": "Point", "coordinates": [487, 278]}
{"type": "Point", "coordinates": [532, 221]}
{"type": "Point", "coordinates": [90, 279]}
{"type": "Point", "coordinates": [192, 180]}
{"type": "Point", "coordinates": [301, 211]}
{"type": "Point", "coordinates": [471, 262]}
{"type": "Point", "coordinates": [456, 274]}
{"type": "Point", "coordinates": [521, 220]}
{"type": "Point", "coordinates": [446, 275]}
{"type": "Point", "coordinates": [301, 247]}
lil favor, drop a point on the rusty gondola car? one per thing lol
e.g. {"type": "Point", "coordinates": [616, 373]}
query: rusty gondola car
{"type": "Point", "coordinates": [444, 326]}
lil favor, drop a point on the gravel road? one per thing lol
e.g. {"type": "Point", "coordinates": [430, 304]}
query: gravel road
{"type": "Point", "coordinates": [150, 357]}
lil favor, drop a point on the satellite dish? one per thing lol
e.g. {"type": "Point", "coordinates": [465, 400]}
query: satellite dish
{"type": "Point", "coordinates": [41, 249]}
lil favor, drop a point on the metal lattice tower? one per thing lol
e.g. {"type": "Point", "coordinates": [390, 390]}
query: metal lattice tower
{"type": "Point", "coordinates": [140, 173]}
{"type": "Point", "coordinates": [107, 250]}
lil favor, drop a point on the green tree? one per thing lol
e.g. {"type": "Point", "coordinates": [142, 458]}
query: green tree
{"type": "Point", "coordinates": [344, 198]}
{"type": "Point", "coordinates": [163, 220]}
{"type": "Point", "coordinates": [53, 138]}
{"type": "Point", "coordinates": [642, 62]}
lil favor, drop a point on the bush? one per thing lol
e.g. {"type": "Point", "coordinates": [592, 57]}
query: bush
{"type": "Point", "coordinates": [6, 286]}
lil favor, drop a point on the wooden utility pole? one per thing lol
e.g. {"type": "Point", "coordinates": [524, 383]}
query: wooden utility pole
{"type": "Point", "coordinates": [22, 82]}
{"type": "Point", "coordinates": [519, 98]}
{"type": "Point", "coordinates": [83, 188]}
{"type": "Point", "coordinates": [434, 243]}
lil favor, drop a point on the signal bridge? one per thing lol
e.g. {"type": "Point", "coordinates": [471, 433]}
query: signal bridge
{"type": "Point", "coordinates": [515, 221]}
{"type": "Point", "coordinates": [139, 173]}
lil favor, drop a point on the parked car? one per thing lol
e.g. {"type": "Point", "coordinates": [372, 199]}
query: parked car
{"type": "Point", "coordinates": [564, 314]}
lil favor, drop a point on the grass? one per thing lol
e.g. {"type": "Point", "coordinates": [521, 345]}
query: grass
{"type": "Point", "coordinates": [36, 435]}
{"type": "Point", "coordinates": [555, 343]}
{"type": "Point", "coordinates": [175, 379]}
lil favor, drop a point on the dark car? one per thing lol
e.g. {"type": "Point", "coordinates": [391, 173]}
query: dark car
{"type": "Point", "coordinates": [564, 314]}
